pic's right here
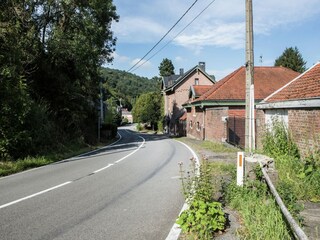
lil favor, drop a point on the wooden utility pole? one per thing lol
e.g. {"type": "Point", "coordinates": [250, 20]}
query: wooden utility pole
{"type": "Point", "coordinates": [249, 125]}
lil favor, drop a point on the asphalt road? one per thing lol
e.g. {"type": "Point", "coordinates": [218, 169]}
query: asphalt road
{"type": "Point", "coordinates": [130, 190]}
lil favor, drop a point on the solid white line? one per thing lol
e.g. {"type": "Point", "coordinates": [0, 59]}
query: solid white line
{"type": "Point", "coordinates": [176, 230]}
{"type": "Point", "coordinates": [121, 159]}
{"type": "Point", "coordinates": [33, 195]}
{"type": "Point", "coordinates": [101, 169]}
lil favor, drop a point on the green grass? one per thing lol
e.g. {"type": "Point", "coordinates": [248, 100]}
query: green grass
{"type": "Point", "coordinates": [212, 146]}
{"type": "Point", "coordinates": [301, 176]}
{"type": "Point", "coordinates": [218, 147]}
{"type": "Point", "coordinates": [73, 149]}
{"type": "Point", "coordinates": [261, 217]}
{"type": "Point", "coordinates": [10, 167]}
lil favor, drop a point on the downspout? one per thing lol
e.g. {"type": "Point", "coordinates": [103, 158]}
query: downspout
{"type": "Point", "coordinates": [203, 123]}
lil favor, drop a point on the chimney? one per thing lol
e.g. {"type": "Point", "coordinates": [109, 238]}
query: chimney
{"type": "Point", "coordinates": [181, 71]}
{"type": "Point", "coordinates": [202, 66]}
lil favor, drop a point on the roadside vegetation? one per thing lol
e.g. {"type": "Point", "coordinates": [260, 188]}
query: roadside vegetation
{"type": "Point", "coordinates": [299, 177]}
{"type": "Point", "coordinates": [258, 215]}
{"type": "Point", "coordinates": [205, 216]}
{"type": "Point", "coordinates": [22, 164]}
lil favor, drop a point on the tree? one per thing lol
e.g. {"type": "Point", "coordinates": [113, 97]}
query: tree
{"type": "Point", "coordinates": [166, 68]}
{"type": "Point", "coordinates": [50, 54]}
{"type": "Point", "coordinates": [147, 108]}
{"type": "Point", "coordinates": [291, 58]}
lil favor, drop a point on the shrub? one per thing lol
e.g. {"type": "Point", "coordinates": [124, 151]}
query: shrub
{"type": "Point", "coordinates": [204, 215]}
{"type": "Point", "coordinates": [202, 219]}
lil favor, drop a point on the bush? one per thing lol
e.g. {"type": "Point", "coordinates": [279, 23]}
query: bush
{"type": "Point", "coordinates": [139, 127]}
{"type": "Point", "coordinates": [202, 219]}
{"type": "Point", "coordinates": [204, 216]}
{"type": "Point", "coordinates": [297, 177]}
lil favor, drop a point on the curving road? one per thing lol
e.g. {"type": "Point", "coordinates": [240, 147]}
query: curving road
{"type": "Point", "coordinates": [130, 190]}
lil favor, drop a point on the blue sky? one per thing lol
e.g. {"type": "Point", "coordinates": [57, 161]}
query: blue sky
{"type": "Point", "coordinates": [217, 37]}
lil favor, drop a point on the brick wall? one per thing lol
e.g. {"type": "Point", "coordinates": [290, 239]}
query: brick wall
{"type": "Point", "coordinates": [195, 123]}
{"type": "Point", "coordinates": [180, 95]}
{"type": "Point", "coordinates": [305, 128]}
{"type": "Point", "coordinates": [304, 125]}
{"type": "Point", "coordinates": [215, 127]}
{"type": "Point", "coordinates": [238, 111]}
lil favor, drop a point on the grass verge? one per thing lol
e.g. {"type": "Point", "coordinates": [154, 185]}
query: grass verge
{"type": "Point", "coordinates": [11, 167]}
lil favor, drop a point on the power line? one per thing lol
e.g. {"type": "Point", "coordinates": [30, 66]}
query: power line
{"type": "Point", "coordinates": [175, 35]}
{"type": "Point", "coordinates": [163, 36]}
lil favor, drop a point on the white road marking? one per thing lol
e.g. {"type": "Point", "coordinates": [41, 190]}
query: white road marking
{"type": "Point", "coordinates": [101, 169]}
{"type": "Point", "coordinates": [176, 230]}
{"type": "Point", "coordinates": [63, 184]}
{"type": "Point", "coordinates": [34, 195]}
{"type": "Point", "coordinates": [121, 159]}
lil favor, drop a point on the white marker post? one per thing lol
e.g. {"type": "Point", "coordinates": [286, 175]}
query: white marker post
{"type": "Point", "coordinates": [240, 168]}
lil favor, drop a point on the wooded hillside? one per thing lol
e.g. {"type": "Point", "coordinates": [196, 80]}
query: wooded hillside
{"type": "Point", "coordinates": [127, 86]}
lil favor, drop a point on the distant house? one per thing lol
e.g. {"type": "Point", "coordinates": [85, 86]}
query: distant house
{"type": "Point", "coordinates": [175, 90]}
{"type": "Point", "coordinates": [219, 114]}
{"type": "Point", "coordinates": [297, 104]}
{"type": "Point", "coordinates": [125, 114]}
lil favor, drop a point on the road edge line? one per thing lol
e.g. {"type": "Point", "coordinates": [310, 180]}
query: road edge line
{"type": "Point", "coordinates": [176, 230]}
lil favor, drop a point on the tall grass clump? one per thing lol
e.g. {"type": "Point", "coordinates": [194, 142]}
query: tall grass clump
{"type": "Point", "coordinates": [261, 217]}
{"type": "Point", "coordinates": [299, 176]}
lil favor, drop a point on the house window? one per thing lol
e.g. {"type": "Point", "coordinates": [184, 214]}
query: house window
{"type": "Point", "coordinates": [196, 81]}
{"type": "Point", "coordinates": [190, 124]}
{"type": "Point", "coordinates": [198, 126]}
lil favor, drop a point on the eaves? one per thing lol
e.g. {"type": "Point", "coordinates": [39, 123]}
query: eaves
{"type": "Point", "coordinates": [217, 103]}
{"type": "Point", "coordinates": [300, 103]}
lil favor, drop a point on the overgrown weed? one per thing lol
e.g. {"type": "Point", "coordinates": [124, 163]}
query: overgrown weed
{"type": "Point", "coordinates": [204, 216]}
{"type": "Point", "coordinates": [261, 217]}
{"type": "Point", "coordinates": [299, 176]}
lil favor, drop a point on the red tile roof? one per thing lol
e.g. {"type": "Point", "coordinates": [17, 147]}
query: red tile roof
{"type": "Point", "coordinates": [305, 86]}
{"type": "Point", "coordinates": [266, 81]}
{"type": "Point", "coordinates": [201, 89]}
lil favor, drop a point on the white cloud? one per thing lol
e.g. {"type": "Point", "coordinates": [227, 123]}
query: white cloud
{"type": "Point", "coordinates": [119, 58]}
{"type": "Point", "coordinates": [137, 29]}
{"type": "Point", "coordinates": [142, 64]}
{"type": "Point", "coordinates": [178, 59]}
{"type": "Point", "coordinates": [220, 34]}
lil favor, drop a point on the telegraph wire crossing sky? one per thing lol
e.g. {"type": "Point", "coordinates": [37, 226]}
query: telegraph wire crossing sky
{"type": "Point", "coordinates": [163, 36]}
{"type": "Point", "coordinates": [212, 32]}
{"type": "Point", "coordinates": [181, 31]}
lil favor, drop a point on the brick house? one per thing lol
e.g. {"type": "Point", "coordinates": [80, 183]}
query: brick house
{"type": "Point", "coordinates": [175, 89]}
{"type": "Point", "coordinates": [219, 114]}
{"type": "Point", "coordinates": [297, 104]}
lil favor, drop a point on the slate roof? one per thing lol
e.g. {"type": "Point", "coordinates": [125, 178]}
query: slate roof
{"type": "Point", "coordinates": [305, 86]}
{"type": "Point", "coordinates": [170, 82]}
{"type": "Point", "coordinates": [232, 87]}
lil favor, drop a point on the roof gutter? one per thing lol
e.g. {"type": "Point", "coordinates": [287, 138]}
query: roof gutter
{"type": "Point", "coordinates": [303, 103]}
{"type": "Point", "coordinates": [218, 103]}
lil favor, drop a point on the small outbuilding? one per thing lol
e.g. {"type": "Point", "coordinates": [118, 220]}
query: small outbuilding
{"type": "Point", "coordinates": [297, 105]}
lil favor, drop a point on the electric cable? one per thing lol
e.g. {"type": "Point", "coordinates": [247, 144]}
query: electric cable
{"type": "Point", "coordinates": [175, 35]}
{"type": "Point", "coordinates": [163, 36]}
